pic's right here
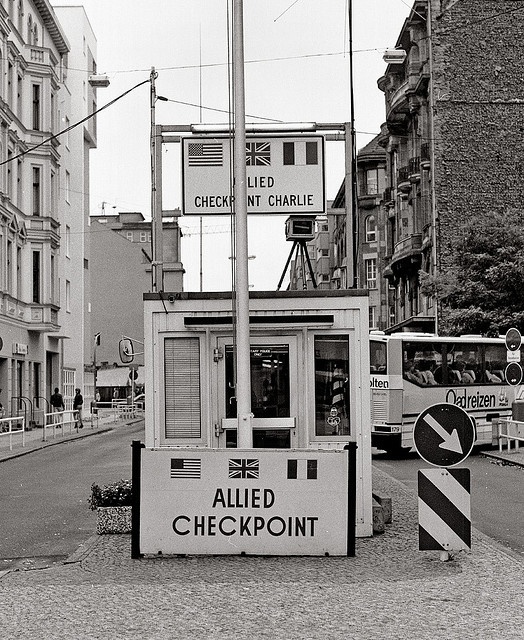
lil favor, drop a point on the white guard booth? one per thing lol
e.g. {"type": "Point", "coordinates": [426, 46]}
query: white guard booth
{"type": "Point", "coordinates": [305, 487]}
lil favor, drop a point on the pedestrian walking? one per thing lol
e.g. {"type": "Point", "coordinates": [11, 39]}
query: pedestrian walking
{"type": "Point", "coordinates": [78, 402]}
{"type": "Point", "coordinates": [57, 402]}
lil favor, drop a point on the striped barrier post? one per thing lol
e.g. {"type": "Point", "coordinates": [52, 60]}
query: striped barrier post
{"type": "Point", "coordinates": [444, 510]}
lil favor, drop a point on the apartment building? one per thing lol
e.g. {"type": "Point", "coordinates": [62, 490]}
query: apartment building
{"type": "Point", "coordinates": [36, 175]}
{"type": "Point", "coordinates": [120, 268]}
{"type": "Point", "coordinates": [453, 140]}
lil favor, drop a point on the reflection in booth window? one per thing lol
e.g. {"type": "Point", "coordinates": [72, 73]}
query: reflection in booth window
{"type": "Point", "coordinates": [270, 397]}
{"type": "Point", "coordinates": [332, 385]}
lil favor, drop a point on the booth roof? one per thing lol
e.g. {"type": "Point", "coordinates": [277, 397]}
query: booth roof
{"type": "Point", "coordinates": [118, 377]}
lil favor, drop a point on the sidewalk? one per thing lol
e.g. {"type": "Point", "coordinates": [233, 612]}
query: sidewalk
{"type": "Point", "coordinates": [389, 590]}
{"type": "Point", "coordinates": [33, 439]}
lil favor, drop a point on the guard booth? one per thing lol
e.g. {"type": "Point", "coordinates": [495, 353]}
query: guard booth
{"type": "Point", "coordinates": [310, 403]}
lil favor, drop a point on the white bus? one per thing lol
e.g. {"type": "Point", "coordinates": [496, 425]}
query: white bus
{"type": "Point", "coordinates": [412, 371]}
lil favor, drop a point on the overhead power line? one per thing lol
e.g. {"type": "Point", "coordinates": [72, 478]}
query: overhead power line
{"type": "Point", "coordinates": [76, 124]}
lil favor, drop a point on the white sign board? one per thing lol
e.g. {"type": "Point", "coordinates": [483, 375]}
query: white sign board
{"type": "Point", "coordinates": [285, 175]}
{"type": "Point", "coordinates": [256, 501]}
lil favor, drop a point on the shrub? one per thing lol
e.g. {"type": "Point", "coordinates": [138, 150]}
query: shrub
{"type": "Point", "coordinates": [117, 494]}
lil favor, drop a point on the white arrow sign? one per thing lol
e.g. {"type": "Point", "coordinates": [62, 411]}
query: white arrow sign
{"type": "Point", "coordinates": [451, 440]}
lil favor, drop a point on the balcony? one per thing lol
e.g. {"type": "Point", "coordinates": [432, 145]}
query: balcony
{"type": "Point", "coordinates": [414, 169]}
{"type": "Point", "coordinates": [388, 196]}
{"type": "Point", "coordinates": [425, 158]}
{"type": "Point", "coordinates": [407, 251]}
{"type": "Point", "coordinates": [403, 182]}
{"type": "Point", "coordinates": [33, 317]}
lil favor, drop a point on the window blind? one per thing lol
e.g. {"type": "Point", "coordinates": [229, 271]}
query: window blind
{"type": "Point", "coordinates": [182, 388]}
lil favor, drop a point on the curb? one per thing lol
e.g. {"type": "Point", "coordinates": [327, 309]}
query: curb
{"type": "Point", "coordinates": [503, 460]}
{"type": "Point", "coordinates": [44, 445]}
{"type": "Point", "coordinates": [83, 550]}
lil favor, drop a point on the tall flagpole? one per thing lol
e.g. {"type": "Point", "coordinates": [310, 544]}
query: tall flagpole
{"type": "Point", "coordinates": [243, 381]}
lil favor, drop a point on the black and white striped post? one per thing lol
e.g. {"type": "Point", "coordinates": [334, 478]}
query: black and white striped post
{"type": "Point", "coordinates": [443, 436]}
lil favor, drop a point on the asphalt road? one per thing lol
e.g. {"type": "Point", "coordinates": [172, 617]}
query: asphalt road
{"type": "Point", "coordinates": [43, 495]}
{"type": "Point", "coordinates": [497, 493]}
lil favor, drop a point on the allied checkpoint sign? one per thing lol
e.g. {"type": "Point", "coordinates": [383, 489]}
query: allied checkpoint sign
{"type": "Point", "coordinates": [233, 501]}
{"type": "Point", "coordinates": [284, 174]}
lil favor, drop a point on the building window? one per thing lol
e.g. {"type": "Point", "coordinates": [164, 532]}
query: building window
{"type": "Point", "coordinates": [9, 266]}
{"type": "Point", "coordinates": [19, 186]}
{"type": "Point", "coordinates": [371, 229]}
{"type": "Point", "coordinates": [36, 106]}
{"type": "Point", "coordinates": [68, 296]}
{"type": "Point", "coordinates": [143, 236]}
{"type": "Point", "coordinates": [68, 241]}
{"type": "Point", "coordinates": [37, 208]}
{"type": "Point", "coordinates": [67, 123]}
{"type": "Point", "coordinates": [332, 385]}
{"type": "Point", "coordinates": [129, 236]}
{"type": "Point", "coordinates": [67, 186]}
{"type": "Point", "coordinates": [371, 273]}
{"type": "Point", "coordinates": [371, 181]}
{"type": "Point", "coordinates": [36, 276]}
{"type": "Point", "coordinates": [19, 272]}
{"type": "Point", "coordinates": [372, 318]}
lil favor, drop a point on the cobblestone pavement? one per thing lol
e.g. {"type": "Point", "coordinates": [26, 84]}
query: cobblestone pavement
{"type": "Point", "coordinates": [390, 590]}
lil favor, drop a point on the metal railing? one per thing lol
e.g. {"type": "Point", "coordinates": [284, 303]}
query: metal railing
{"type": "Point", "coordinates": [64, 421]}
{"type": "Point", "coordinates": [6, 429]}
{"type": "Point", "coordinates": [513, 431]}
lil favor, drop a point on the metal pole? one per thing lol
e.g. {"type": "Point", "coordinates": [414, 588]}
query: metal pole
{"type": "Point", "coordinates": [243, 381]}
{"type": "Point", "coordinates": [156, 199]}
{"type": "Point", "coordinates": [350, 173]}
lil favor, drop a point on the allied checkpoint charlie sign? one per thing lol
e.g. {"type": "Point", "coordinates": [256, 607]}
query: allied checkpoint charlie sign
{"type": "Point", "coordinates": [285, 175]}
{"type": "Point", "coordinates": [199, 501]}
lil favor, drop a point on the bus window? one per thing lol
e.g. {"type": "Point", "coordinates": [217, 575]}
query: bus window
{"type": "Point", "coordinates": [378, 359]}
{"type": "Point", "coordinates": [464, 363]}
{"type": "Point", "coordinates": [495, 361]}
{"type": "Point", "coordinates": [423, 363]}
{"type": "Point", "coordinates": [331, 385]}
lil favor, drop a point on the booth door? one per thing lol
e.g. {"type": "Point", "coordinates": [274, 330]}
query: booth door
{"type": "Point", "coordinates": [273, 392]}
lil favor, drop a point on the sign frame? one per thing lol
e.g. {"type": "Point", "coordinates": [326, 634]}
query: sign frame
{"type": "Point", "coordinates": [275, 507]}
{"type": "Point", "coordinates": [272, 189]}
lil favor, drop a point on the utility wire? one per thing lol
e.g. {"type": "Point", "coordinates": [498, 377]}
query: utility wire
{"type": "Point", "coordinates": [56, 135]}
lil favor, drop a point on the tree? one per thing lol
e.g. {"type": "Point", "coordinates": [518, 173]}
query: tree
{"type": "Point", "coordinates": [483, 292]}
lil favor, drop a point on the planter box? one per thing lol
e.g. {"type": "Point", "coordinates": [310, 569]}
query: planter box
{"type": "Point", "coordinates": [113, 520]}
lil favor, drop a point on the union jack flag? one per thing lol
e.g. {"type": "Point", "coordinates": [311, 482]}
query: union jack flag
{"type": "Point", "coordinates": [258, 154]}
{"type": "Point", "coordinates": [240, 468]}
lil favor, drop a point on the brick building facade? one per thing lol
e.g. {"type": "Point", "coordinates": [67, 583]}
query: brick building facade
{"type": "Point", "coordinates": [453, 137]}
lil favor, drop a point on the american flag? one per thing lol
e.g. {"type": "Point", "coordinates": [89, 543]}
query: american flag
{"type": "Point", "coordinates": [240, 468]}
{"type": "Point", "coordinates": [302, 469]}
{"type": "Point", "coordinates": [205, 154]}
{"type": "Point", "coordinates": [258, 154]}
{"type": "Point", "coordinates": [186, 467]}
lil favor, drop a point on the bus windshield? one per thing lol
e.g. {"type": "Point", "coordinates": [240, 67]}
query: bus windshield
{"type": "Point", "coordinates": [378, 357]}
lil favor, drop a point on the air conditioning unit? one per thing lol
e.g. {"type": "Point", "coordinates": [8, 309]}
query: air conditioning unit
{"type": "Point", "coordinates": [394, 56]}
{"type": "Point", "coordinates": [300, 228]}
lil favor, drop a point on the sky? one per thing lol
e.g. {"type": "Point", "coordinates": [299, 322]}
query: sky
{"type": "Point", "coordinates": [297, 70]}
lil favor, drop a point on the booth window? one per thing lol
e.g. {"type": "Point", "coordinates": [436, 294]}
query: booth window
{"type": "Point", "coordinates": [270, 397]}
{"type": "Point", "coordinates": [332, 385]}
{"type": "Point", "coordinates": [182, 388]}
